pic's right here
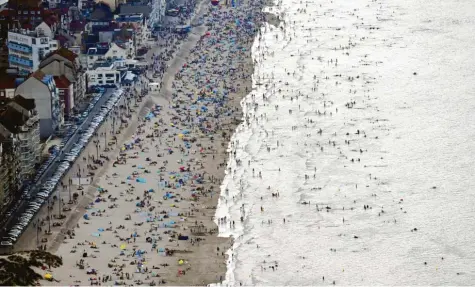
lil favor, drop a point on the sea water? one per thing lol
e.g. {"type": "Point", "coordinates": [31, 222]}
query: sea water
{"type": "Point", "coordinates": [362, 120]}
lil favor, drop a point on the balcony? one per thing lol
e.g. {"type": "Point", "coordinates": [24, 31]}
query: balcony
{"type": "Point", "coordinates": [19, 47]}
{"type": "Point", "coordinates": [20, 61]}
{"type": "Point", "coordinates": [32, 120]}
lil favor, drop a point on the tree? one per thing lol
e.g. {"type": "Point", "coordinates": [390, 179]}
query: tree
{"type": "Point", "coordinates": [18, 269]}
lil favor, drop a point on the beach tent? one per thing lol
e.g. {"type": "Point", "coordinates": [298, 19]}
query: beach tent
{"type": "Point", "coordinates": [141, 180]}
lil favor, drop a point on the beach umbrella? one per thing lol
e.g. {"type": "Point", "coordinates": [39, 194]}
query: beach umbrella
{"type": "Point", "coordinates": [180, 262]}
{"type": "Point", "coordinates": [48, 276]}
{"type": "Point", "coordinates": [123, 246]}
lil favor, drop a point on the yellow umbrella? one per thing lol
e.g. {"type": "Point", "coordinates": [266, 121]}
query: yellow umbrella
{"type": "Point", "coordinates": [181, 136]}
{"type": "Point", "coordinates": [180, 262]}
{"type": "Point", "coordinates": [48, 276]}
{"type": "Point", "coordinates": [123, 246]}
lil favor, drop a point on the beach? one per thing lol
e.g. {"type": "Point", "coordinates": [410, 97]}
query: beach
{"type": "Point", "coordinates": [290, 143]}
{"type": "Point", "coordinates": [148, 215]}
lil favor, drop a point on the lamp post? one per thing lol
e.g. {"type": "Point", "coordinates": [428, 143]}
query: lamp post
{"type": "Point", "coordinates": [49, 219]}
{"type": "Point", "coordinates": [69, 189]}
{"type": "Point", "coordinates": [105, 137]}
{"type": "Point", "coordinates": [37, 233]}
{"type": "Point", "coordinates": [113, 124]}
{"type": "Point", "coordinates": [59, 204]}
{"type": "Point", "coordinates": [79, 175]}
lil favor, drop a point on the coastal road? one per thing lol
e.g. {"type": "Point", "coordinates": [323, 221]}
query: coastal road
{"type": "Point", "coordinates": [10, 222]}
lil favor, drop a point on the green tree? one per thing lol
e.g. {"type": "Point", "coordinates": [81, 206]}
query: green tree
{"type": "Point", "coordinates": [18, 269]}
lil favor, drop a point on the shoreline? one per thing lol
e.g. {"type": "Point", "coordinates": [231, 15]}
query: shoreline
{"type": "Point", "coordinates": [204, 258]}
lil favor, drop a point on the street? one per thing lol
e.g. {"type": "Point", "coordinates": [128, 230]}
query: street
{"type": "Point", "coordinates": [10, 222]}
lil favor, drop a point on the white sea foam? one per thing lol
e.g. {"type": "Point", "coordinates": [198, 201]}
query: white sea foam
{"type": "Point", "coordinates": [408, 68]}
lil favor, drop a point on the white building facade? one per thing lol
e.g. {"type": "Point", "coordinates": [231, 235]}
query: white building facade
{"type": "Point", "coordinates": [158, 12]}
{"type": "Point", "coordinates": [103, 74]}
{"type": "Point", "coordinates": [98, 55]}
{"type": "Point", "coordinates": [43, 90]}
{"type": "Point", "coordinates": [26, 49]}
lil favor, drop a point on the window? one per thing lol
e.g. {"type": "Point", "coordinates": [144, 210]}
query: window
{"type": "Point", "coordinates": [109, 75]}
{"type": "Point", "coordinates": [110, 82]}
{"type": "Point", "coordinates": [25, 12]}
{"type": "Point", "coordinates": [32, 12]}
{"type": "Point", "coordinates": [100, 81]}
{"type": "Point", "coordinates": [33, 41]}
{"type": "Point", "coordinates": [100, 76]}
{"type": "Point", "coordinates": [91, 57]}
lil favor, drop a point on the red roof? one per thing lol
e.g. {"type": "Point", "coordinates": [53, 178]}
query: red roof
{"type": "Point", "coordinates": [62, 39]}
{"type": "Point", "coordinates": [62, 82]}
{"type": "Point", "coordinates": [50, 20]}
{"type": "Point", "coordinates": [39, 75]}
{"type": "Point", "coordinates": [7, 82]}
{"type": "Point", "coordinates": [65, 53]}
{"type": "Point", "coordinates": [27, 26]}
{"type": "Point", "coordinates": [77, 25]}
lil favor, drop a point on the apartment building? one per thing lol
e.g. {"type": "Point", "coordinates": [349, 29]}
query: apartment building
{"type": "Point", "coordinates": [27, 48]}
{"type": "Point", "coordinates": [42, 88]}
{"type": "Point", "coordinates": [104, 73]}
{"type": "Point", "coordinates": [19, 122]}
{"type": "Point", "coordinates": [68, 74]}
{"type": "Point", "coordinates": [9, 171]}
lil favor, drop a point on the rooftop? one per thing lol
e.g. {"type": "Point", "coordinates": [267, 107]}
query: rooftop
{"type": "Point", "coordinates": [27, 104]}
{"type": "Point", "coordinates": [134, 8]}
{"type": "Point", "coordinates": [103, 64]}
{"type": "Point", "coordinates": [26, 31]}
{"type": "Point", "coordinates": [40, 76]}
{"type": "Point", "coordinates": [132, 17]}
{"type": "Point", "coordinates": [62, 82]}
{"type": "Point", "coordinates": [65, 53]}
{"type": "Point", "coordinates": [97, 51]}
{"type": "Point", "coordinates": [9, 80]}
{"type": "Point", "coordinates": [12, 119]}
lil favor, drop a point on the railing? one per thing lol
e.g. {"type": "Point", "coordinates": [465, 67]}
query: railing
{"type": "Point", "coordinates": [20, 61]}
{"type": "Point", "coordinates": [19, 47]}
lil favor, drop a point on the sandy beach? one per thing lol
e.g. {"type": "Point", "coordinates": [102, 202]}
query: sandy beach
{"type": "Point", "coordinates": [147, 218]}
